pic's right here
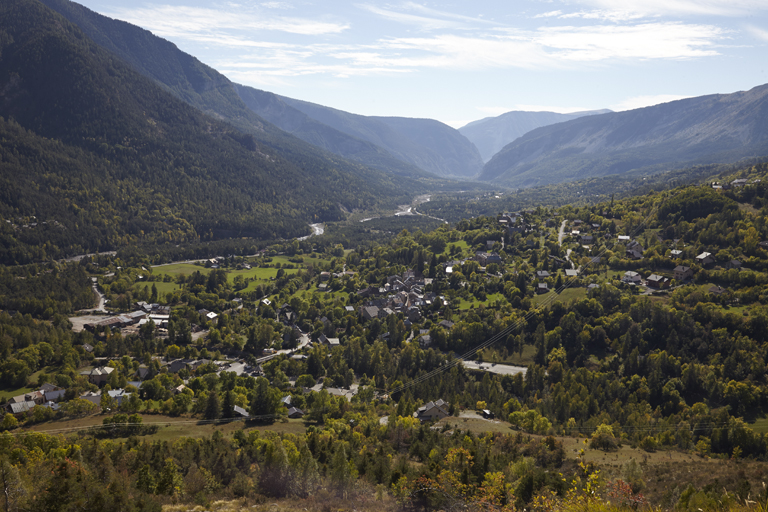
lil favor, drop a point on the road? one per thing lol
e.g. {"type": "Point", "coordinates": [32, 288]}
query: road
{"type": "Point", "coordinates": [561, 234]}
{"type": "Point", "coordinates": [81, 256]}
{"type": "Point", "coordinates": [560, 237]}
{"type": "Point", "coordinates": [303, 342]}
{"type": "Point", "coordinates": [317, 230]}
{"type": "Point", "coordinates": [405, 209]}
{"type": "Point", "coordinates": [501, 369]}
{"type": "Point", "coordinates": [102, 301]}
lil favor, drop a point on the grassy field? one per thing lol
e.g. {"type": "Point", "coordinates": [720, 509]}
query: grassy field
{"type": "Point", "coordinates": [517, 359]}
{"type": "Point", "coordinates": [490, 299]}
{"type": "Point", "coordinates": [170, 428]}
{"type": "Point", "coordinates": [308, 260]}
{"type": "Point", "coordinates": [568, 295]}
{"type": "Point", "coordinates": [461, 244]}
{"type": "Point", "coordinates": [176, 269]}
{"type": "Point", "coordinates": [162, 288]}
{"type": "Point", "coordinates": [10, 393]}
{"type": "Point", "coordinates": [573, 445]}
{"type": "Point", "coordinates": [760, 425]}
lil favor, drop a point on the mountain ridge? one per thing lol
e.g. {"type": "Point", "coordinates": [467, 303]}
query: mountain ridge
{"type": "Point", "coordinates": [115, 159]}
{"type": "Point", "coordinates": [426, 143]}
{"type": "Point", "coordinates": [715, 128]}
{"type": "Point", "coordinates": [491, 134]}
{"type": "Point", "coordinates": [201, 86]}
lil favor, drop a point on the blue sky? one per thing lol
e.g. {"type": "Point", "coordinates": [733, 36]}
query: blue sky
{"type": "Point", "coordinates": [459, 61]}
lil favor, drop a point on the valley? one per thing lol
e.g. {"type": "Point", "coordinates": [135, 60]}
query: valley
{"type": "Point", "coordinates": [216, 297]}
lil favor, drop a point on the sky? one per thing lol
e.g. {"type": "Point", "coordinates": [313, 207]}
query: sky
{"type": "Point", "coordinates": [459, 61]}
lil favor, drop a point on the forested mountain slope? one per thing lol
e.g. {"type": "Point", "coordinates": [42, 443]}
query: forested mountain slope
{"type": "Point", "coordinates": [208, 90]}
{"type": "Point", "coordinates": [707, 129]}
{"type": "Point", "coordinates": [111, 158]}
{"type": "Point", "coordinates": [247, 108]}
{"type": "Point", "coordinates": [491, 134]}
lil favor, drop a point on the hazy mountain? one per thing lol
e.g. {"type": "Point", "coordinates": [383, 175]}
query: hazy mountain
{"type": "Point", "coordinates": [114, 159]}
{"type": "Point", "coordinates": [491, 134]}
{"type": "Point", "coordinates": [247, 108]}
{"type": "Point", "coordinates": [425, 143]}
{"type": "Point", "coordinates": [271, 107]}
{"type": "Point", "coordinates": [707, 129]}
{"type": "Point", "coordinates": [208, 90]}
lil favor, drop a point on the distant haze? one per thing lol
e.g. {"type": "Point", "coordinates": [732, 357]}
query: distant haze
{"type": "Point", "coordinates": [491, 134]}
{"type": "Point", "coordinates": [457, 62]}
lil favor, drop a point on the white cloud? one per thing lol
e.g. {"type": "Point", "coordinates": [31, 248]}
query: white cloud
{"type": "Point", "coordinates": [444, 14]}
{"type": "Point", "coordinates": [457, 123]}
{"type": "Point", "coordinates": [645, 101]}
{"type": "Point", "coordinates": [276, 5]}
{"type": "Point", "coordinates": [614, 16]}
{"type": "Point", "coordinates": [758, 32]}
{"type": "Point", "coordinates": [190, 22]}
{"type": "Point", "coordinates": [423, 22]}
{"type": "Point", "coordinates": [477, 46]}
{"type": "Point", "coordinates": [643, 41]}
{"type": "Point", "coordinates": [547, 48]}
{"type": "Point", "coordinates": [683, 7]}
{"type": "Point", "coordinates": [495, 111]}
{"type": "Point", "coordinates": [550, 14]}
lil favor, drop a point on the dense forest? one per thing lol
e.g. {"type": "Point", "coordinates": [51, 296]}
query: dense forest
{"type": "Point", "coordinates": [677, 372]}
{"type": "Point", "coordinates": [96, 156]}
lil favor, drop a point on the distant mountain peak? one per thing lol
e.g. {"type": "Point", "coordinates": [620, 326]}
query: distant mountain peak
{"type": "Point", "coordinates": [717, 128]}
{"type": "Point", "coordinates": [490, 134]}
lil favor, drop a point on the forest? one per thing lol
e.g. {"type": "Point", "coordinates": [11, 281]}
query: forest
{"type": "Point", "coordinates": [624, 395]}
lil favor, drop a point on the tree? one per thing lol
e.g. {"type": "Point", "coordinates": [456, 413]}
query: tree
{"type": "Point", "coordinates": [9, 422]}
{"type": "Point", "coordinates": [145, 480]}
{"type": "Point", "coordinates": [341, 473]}
{"type": "Point", "coordinates": [212, 406]}
{"type": "Point", "coordinates": [228, 405]}
{"type": "Point", "coordinates": [170, 481]}
{"type": "Point", "coordinates": [602, 438]}
{"type": "Point", "coordinates": [13, 489]}
{"type": "Point", "coordinates": [264, 402]}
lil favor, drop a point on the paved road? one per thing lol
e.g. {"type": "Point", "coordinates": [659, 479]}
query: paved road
{"type": "Point", "coordinates": [561, 234]}
{"type": "Point", "coordinates": [501, 369]}
{"type": "Point", "coordinates": [560, 237]}
{"type": "Point", "coordinates": [303, 342]}
{"type": "Point", "coordinates": [102, 301]}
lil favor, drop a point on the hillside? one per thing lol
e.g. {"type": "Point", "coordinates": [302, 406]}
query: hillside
{"type": "Point", "coordinates": [272, 108]}
{"type": "Point", "coordinates": [491, 134]}
{"type": "Point", "coordinates": [708, 129]}
{"type": "Point", "coordinates": [247, 108]}
{"type": "Point", "coordinates": [113, 159]}
{"type": "Point", "coordinates": [430, 145]}
{"type": "Point", "coordinates": [213, 93]}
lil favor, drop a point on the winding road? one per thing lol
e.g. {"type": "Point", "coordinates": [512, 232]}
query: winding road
{"type": "Point", "coordinates": [560, 237]}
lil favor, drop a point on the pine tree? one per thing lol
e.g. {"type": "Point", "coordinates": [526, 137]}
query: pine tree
{"type": "Point", "coordinates": [340, 472]}
{"type": "Point", "coordinates": [228, 406]}
{"type": "Point", "coordinates": [212, 406]}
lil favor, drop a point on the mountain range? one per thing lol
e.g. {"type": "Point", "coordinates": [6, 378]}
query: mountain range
{"type": "Point", "coordinates": [718, 128]}
{"type": "Point", "coordinates": [413, 147]}
{"type": "Point", "coordinates": [491, 134]}
{"type": "Point", "coordinates": [113, 136]}
{"type": "Point", "coordinates": [97, 156]}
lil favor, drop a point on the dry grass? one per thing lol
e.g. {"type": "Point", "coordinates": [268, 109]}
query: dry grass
{"type": "Point", "coordinates": [322, 502]}
{"type": "Point", "coordinates": [170, 428]}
